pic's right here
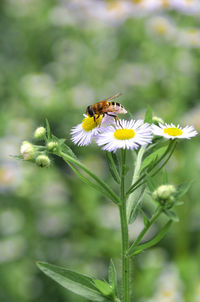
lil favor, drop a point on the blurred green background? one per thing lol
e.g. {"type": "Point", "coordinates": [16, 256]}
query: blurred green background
{"type": "Point", "coordinates": [56, 58]}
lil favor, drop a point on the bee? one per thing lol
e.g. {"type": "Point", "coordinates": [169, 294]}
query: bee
{"type": "Point", "coordinates": [106, 107]}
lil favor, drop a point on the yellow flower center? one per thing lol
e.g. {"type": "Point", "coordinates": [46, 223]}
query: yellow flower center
{"type": "Point", "coordinates": [165, 3]}
{"type": "Point", "coordinates": [124, 134]}
{"type": "Point", "coordinates": [173, 131]}
{"type": "Point", "coordinates": [88, 123]}
{"type": "Point", "coordinates": [115, 6]}
{"type": "Point", "coordinates": [160, 28]}
{"type": "Point", "coordinates": [167, 293]}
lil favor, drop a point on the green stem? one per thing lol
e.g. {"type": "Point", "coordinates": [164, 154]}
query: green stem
{"type": "Point", "coordinates": [112, 195]}
{"type": "Point", "coordinates": [145, 229]}
{"type": "Point", "coordinates": [124, 234]}
{"type": "Point", "coordinates": [135, 178]}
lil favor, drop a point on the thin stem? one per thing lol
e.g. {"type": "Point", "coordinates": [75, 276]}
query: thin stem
{"type": "Point", "coordinates": [145, 229]}
{"type": "Point", "coordinates": [135, 178]}
{"type": "Point", "coordinates": [124, 234]}
{"type": "Point", "coordinates": [112, 195]}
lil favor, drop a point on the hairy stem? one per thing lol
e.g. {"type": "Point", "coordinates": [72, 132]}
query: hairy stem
{"type": "Point", "coordinates": [124, 234]}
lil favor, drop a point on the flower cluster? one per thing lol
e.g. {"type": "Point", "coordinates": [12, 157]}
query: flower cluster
{"type": "Point", "coordinates": [38, 154]}
{"type": "Point", "coordinates": [124, 134]}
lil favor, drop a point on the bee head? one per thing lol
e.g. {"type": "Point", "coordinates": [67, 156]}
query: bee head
{"type": "Point", "coordinates": [90, 112]}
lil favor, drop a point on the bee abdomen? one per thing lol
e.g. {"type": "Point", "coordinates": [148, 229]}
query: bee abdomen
{"type": "Point", "coordinates": [116, 107]}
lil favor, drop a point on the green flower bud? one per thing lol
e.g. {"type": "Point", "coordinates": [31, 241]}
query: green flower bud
{"type": "Point", "coordinates": [43, 161]}
{"type": "Point", "coordinates": [165, 195]}
{"type": "Point", "coordinates": [40, 133]}
{"type": "Point", "coordinates": [27, 150]}
{"type": "Point", "coordinates": [52, 146]}
{"type": "Point", "coordinates": [157, 120]}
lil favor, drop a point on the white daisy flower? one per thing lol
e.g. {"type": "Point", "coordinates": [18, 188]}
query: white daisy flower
{"type": "Point", "coordinates": [171, 131]}
{"type": "Point", "coordinates": [83, 133]}
{"type": "Point", "coordinates": [131, 135]}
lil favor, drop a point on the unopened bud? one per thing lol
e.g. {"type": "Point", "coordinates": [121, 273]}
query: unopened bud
{"type": "Point", "coordinates": [43, 161]}
{"type": "Point", "coordinates": [27, 150]}
{"type": "Point", "coordinates": [52, 146]}
{"type": "Point", "coordinates": [39, 133]}
{"type": "Point", "coordinates": [157, 120]}
{"type": "Point", "coordinates": [165, 195]}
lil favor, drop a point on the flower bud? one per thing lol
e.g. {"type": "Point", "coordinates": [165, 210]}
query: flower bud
{"type": "Point", "coordinates": [157, 120]}
{"type": "Point", "coordinates": [27, 150]}
{"type": "Point", "coordinates": [43, 161]}
{"type": "Point", "coordinates": [52, 146]}
{"type": "Point", "coordinates": [39, 133]}
{"type": "Point", "coordinates": [165, 195]}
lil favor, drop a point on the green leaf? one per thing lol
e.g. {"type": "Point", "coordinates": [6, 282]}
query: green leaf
{"type": "Point", "coordinates": [113, 165]}
{"type": "Point", "coordinates": [165, 177]}
{"type": "Point", "coordinates": [66, 149]}
{"type": "Point", "coordinates": [152, 158]}
{"type": "Point", "coordinates": [183, 188]}
{"type": "Point", "coordinates": [77, 283]}
{"type": "Point", "coordinates": [138, 249]}
{"type": "Point", "coordinates": [104, 287]}
{"type": "Point", "coordinates": [171, 215]}
{"type": "Point", "coordinates": [138, 197]}
{"type": "Point", "coordinates": [112, 276]}
{"type": "Point", "coordinates": [48, 129]}
{"type": "Point", "coordinates": [62, 146]}
{"type": "Point", "coordinates": [150, 183]}
{"type": "Point", "coordinates": [148, 115]}
{"type": "Point", "coordinates": [146, 220]}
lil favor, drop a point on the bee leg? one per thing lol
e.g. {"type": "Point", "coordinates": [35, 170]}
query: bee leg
{"type": "Point", "coordinates": [116, 119]}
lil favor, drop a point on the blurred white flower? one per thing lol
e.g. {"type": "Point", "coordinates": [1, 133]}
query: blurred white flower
{"type": "Point", "coordinates": [61, 16]}
{"type": "Point", "coordinates": [111, 12]}
{"type": "Point", "coordinates": [39, 88]}
{"type": "Point", "coordinates": [82, 95]}
{"type": "Point", "coordinates": [10, 175]}
{"type": "Point", "coordinates": [130, 74]}
{"type": "Point", "coordinates": [53, 223]}
{"type": "Point", "coordinates": [189, 38]}
{"type": "Point", "coordinates": [161, 27]}
{"type": "Point", "coordinates": [12, 248]}
{"type": "Point", "coordinates": [169, 287]}
{"type": "Point", "coordinates": [15, 218]}
{"type": "Point", "coordinates": [188, 7]}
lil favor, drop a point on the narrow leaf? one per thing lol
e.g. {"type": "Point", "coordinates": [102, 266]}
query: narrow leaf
{"type": "Point", "coordinates": [152, 242]}
{"type": "Point", "coordinates": [148, 115]}
{"type": "Point", "coordinates": [112, 276]}
{"type": "Point", "coordinates": [137, 197]}
{"type": "Point", "coordinates": [153, 157]}
{"type": "Point", "coordinates": [170, 214]}
{"type": "Point", "coordinates": [146, 220]}
{"type": "Point", "coordinates": [48, 129]}
{"type": "Point", "coordinates": [66, 149]}
{"type": "Point", "coordinates": [113, 165]}
{"type": "Point", "coordinates": [77, 283]}
{"type": "Point", "coordinates": [183, 188]}
{"type": "Point", "coordinates": [104, 287]}
{"type": "Point", "coordinates": [150, 183]}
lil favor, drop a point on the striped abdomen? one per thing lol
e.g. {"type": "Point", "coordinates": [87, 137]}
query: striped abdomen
{"type": "Point", "coordinates": [115, 107]}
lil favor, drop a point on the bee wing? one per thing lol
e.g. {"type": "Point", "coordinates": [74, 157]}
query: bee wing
{"type": "Point", "coordinates": [112, 97]}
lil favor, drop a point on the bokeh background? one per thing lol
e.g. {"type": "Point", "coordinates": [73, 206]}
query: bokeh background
{"type": "Point", "coordinates": [56, 58]}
